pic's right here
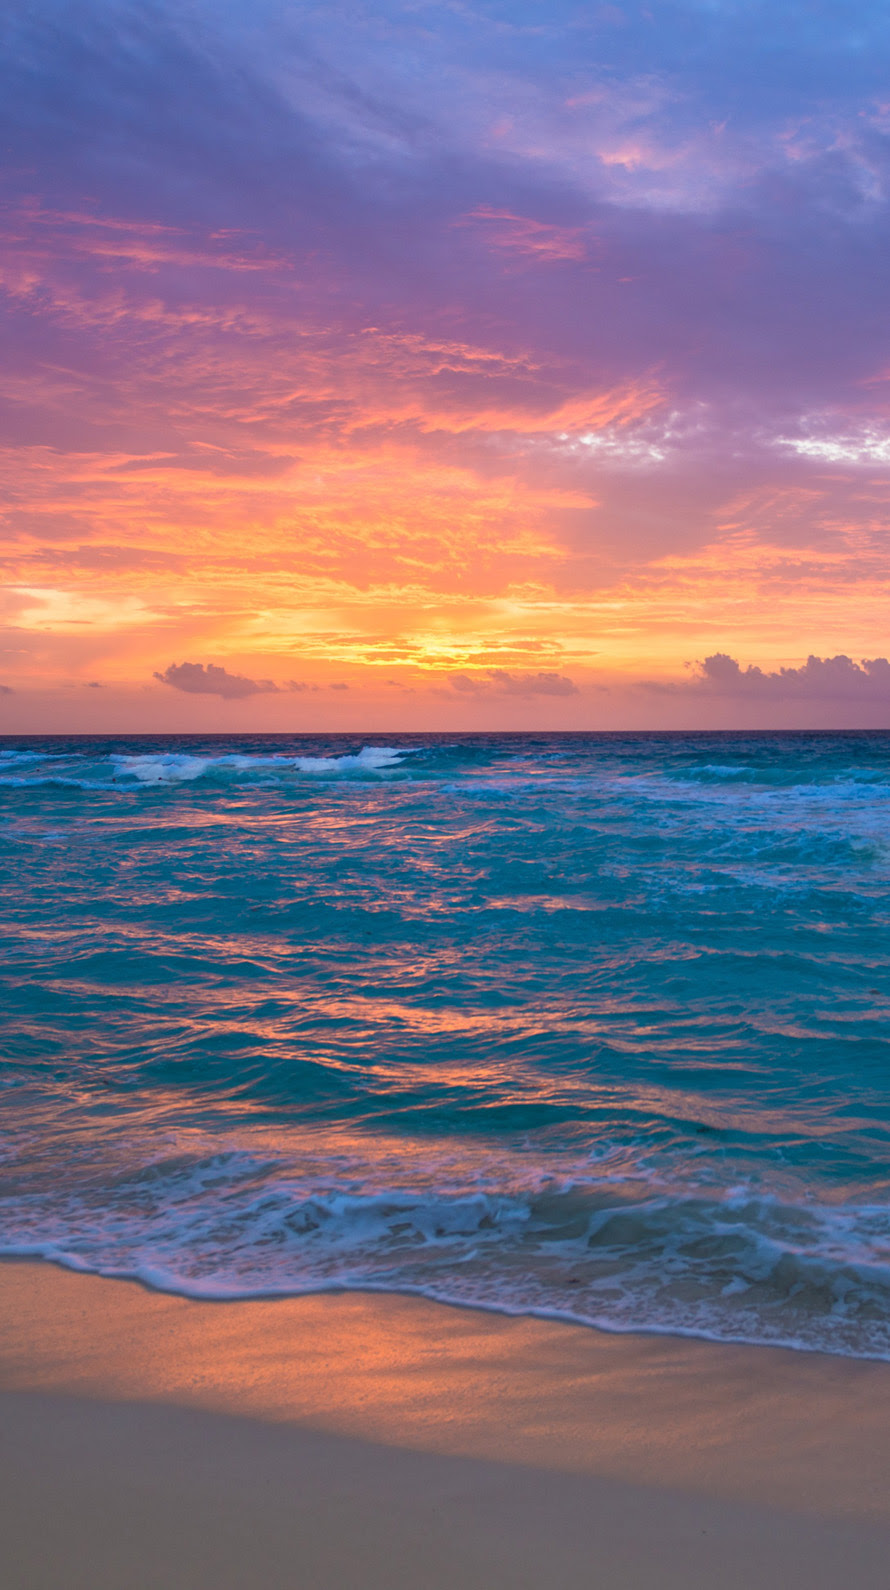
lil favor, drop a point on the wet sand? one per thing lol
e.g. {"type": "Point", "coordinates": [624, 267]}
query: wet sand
{"type": "Point", "coordinates": [152, 1443]}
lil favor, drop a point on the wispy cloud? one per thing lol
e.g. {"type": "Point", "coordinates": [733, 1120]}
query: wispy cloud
{"type": "Point", "coordinates": [500, 682]}
{"type": "Point", "coordinates": [536, 240]}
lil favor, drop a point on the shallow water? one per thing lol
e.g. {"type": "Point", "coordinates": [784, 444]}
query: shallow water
{"type": "Point", "coordinates": [593, 1026]}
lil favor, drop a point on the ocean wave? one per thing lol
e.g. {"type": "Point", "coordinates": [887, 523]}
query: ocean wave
{"type": "Point", "coordinates": [598, 768]}
{"type": "Point", "coordinates": [619, 1255]}
{"type": "Point", "coordinates": [122, 771]}
{"type": "Point", "coordinates": [50, 781]}
{"type": "Point", "coordinates": [182, 768]}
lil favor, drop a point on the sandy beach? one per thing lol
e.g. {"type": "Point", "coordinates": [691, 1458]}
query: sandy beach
{"type": "Point", "coordinates": [358, 1440]}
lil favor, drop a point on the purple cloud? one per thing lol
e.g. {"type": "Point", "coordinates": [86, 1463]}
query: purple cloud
{"type": "Point", "coordinates": [819, 679]}
{"type": "Point", "coordinates": [211, 680]}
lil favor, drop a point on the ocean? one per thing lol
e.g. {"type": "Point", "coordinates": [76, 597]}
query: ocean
{"type": "Point", "coordinates": [586, 1026]}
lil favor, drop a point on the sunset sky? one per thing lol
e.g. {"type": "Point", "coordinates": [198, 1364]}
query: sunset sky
{"type": "Point", "coordinates": [405, 365]}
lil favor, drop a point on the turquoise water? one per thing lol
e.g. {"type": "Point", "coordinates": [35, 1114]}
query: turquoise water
{"type": "Point", "coordinates": [589, 1026]}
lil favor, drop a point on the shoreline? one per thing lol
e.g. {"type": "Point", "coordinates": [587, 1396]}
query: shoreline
{"type": "Point", "coordinates": [547, 1316]}
{"type": "Point", "coordinates": [365, 1439]}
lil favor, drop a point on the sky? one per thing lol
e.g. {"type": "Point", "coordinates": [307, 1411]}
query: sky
{"type": "Point", "coordinates": [452, 366]}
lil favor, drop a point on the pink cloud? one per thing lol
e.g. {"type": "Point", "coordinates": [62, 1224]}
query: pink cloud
{"type": "Point", "coordinates": [520, 234]}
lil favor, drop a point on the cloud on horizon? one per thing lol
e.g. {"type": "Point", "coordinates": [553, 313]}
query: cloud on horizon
{"type": "Point", "coordinates": [818, 679]}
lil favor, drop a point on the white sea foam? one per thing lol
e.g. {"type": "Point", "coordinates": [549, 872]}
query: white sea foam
{"type": "Point", "coordinates": [619, 1253]}
{"type": "Point", "coordinates": [161, 768]}
{"type": "Point", "coordinates": [180, 767]}
{"type": "Point", "coordinates": [370, 759]}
